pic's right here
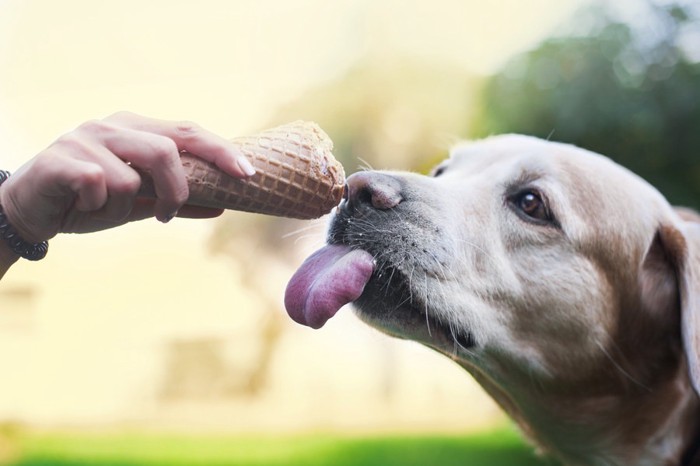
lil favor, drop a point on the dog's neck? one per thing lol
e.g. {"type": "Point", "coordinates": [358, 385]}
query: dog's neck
{"type": "Point", "coordinates": [659, 423]}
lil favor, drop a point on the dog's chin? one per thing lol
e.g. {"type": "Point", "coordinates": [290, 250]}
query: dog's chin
{"type": "Point", "coordinates": [391, 301]}
{"type": "Point", "coordinates": [389, 305]}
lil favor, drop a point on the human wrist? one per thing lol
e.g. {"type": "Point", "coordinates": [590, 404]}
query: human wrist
{"type": "Point", "coordinates": [7, 258]}
{"type": "Point", "coordinates": [12, 238]}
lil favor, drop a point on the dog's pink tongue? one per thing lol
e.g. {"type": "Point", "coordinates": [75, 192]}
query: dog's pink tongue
{"type": "Point", "coordinates": [330, 278]}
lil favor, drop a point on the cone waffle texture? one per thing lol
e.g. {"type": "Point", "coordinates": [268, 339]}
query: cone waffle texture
{"type": "Point", "coordinates": [296, 175]}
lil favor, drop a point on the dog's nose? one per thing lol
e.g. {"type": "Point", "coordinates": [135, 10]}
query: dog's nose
{"type": "Point", "coordinates": [379, 190]}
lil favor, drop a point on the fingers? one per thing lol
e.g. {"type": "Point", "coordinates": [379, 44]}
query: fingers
{"type": "Point", "coordinates": [88, 179]}
{"type": "Point", "coordinates": [120, 182]}
{"type": "Point", "coordinates": [144, 208]}
{"type": "Point", "coordinates": [108, 149]}
{"type": "Point", "coordinates": [160, 157]}
{"type": "Point", "coordinates": [154, 146]}
{"type": "Point", "coordinates": [38, 196]}
{"type": "Point", "coordinates": [192, 138]}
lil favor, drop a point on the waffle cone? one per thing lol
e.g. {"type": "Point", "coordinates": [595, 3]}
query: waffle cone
{"type": "Point", "coordinates": [296, 175]}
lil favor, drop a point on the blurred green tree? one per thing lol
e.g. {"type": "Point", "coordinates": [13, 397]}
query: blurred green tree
{"type": "Point", "coordinates": [624, 83]}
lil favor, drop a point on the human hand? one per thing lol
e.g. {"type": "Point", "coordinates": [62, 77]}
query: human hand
{"type": "Point", "coordinates": [86, 180]}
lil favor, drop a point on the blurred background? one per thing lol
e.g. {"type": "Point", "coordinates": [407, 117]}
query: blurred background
{"type": "Point", "coordinates": [155, 344]}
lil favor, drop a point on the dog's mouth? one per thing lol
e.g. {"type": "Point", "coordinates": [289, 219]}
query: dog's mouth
{"type": "Point", "coordinates": [391, 303]}
{"type": "Point", "coordinates": [332, 277]}
{"type": "Point", "coordinates": [339, 274]}
{"type": "Point", "coordinates": [391, 261]}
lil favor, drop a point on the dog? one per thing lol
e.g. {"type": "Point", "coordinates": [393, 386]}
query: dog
{"type": "Point", "coordinates": [566, 285]}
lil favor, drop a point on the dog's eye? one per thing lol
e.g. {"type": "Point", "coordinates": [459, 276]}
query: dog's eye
{"type": "Point", "coordinates": [531, 204]}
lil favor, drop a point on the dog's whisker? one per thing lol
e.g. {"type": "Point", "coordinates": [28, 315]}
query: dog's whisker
{"type": "Point", "coordinates": [388, 282]}
{"type": "Point", "coordinates": [620, 368]}
{"type": "Point", "coordinates": [398, 306]}
{"type": "Point", "coordinates": [443, 271]}
{"type": "Point", "coordinates": [365, 165]}
{"type": "Point", "coordinates": [455, 339]}
{"type": "Point", "coordinates": [410, 283]}
{"type": "Point", "coordinates": [303, 229]}
{"type": "Point", "coordinates": [304, 237]}
{"type": "Point", "coordinates": [486, 253]}
{"type": "Point", "coordinates": [425, 305]}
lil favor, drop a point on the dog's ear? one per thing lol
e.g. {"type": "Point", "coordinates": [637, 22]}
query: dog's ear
{"type": "Point", "coordinates": [671, 276]}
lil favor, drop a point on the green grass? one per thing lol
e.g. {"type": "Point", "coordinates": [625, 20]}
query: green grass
{"type": "Point", "coordinates": [501, 447]}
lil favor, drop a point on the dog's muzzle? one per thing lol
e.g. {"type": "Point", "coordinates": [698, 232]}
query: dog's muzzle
{"type": "Point", "coordinates": [337, 274]}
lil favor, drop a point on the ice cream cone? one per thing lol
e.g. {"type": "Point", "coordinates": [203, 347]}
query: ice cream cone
{"type": "Point", "coordinates": [296, 175]}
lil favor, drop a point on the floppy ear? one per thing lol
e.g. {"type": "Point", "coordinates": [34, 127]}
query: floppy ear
{"type": "Point", "coordinates": [674, 256]}
{"type": "Point", "coordinates": [689, 282]}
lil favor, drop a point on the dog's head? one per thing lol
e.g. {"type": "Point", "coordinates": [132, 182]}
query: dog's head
{"type": "Point", "coordinates": [547, 271]}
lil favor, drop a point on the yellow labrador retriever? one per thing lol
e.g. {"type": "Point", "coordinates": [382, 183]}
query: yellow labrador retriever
{"type": "Point", "coordinates": [566, 285]}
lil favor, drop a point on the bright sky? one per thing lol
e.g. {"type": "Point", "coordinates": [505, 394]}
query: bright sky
{"type": "Point", "coordinates": [106, 300]}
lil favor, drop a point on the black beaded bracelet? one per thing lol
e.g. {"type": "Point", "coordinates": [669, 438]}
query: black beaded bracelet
{"type": "Point", "coordinates": [30, 251]}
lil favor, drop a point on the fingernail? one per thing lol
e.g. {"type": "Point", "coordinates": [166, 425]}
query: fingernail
{"type": "Point", "coordinates": [169, 217]}
{"type": "Point", "coordinates": [246, 166]}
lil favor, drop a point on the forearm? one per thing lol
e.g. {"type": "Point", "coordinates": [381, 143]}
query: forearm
{"type": "Point", "coordinates": [7, 258]}
{"type": "Point", "coordinates": [7, 255]}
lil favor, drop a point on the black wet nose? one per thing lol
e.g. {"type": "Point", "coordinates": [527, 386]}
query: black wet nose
{"type": "Point", "coordinates": [379, 190]}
